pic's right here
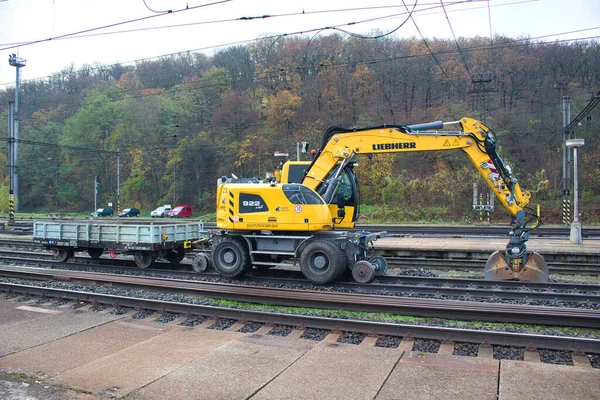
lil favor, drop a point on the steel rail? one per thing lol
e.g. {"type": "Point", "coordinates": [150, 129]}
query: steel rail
{"type": "Point", "coordinates": [335, 324]}
{"type": "Point", "coordinates": [406, 286]}
{"type": "Point", "coordinates": [330, 300]}
{"type": "Point", "coordinates": [555, 267]}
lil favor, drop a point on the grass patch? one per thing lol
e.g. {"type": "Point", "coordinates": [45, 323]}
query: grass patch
{"type": "Point", "coordinates": [413, 320]}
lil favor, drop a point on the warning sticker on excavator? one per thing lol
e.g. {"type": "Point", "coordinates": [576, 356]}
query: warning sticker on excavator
{"type": "Point", "coordinates": [298, 209]}
{"type": "Point", "coordinates": [447, 143]}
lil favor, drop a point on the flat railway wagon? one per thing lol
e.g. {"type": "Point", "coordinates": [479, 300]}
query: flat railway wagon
{"type": "Point", "coordinates": [146, 242]}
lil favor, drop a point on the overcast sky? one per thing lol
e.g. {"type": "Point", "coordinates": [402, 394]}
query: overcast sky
{"type": "Point", "coordinates": [214, 25]}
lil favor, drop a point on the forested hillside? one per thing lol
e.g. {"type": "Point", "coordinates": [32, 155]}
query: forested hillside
{"type": "Point", "coordinates": [183, 121]}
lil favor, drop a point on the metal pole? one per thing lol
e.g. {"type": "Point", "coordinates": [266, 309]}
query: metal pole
{"type": "Point", "coordinates": [18, 63]}
{"type": "Point", "coordinates": [575, 236]}
{"type": "Point", "coordinates": [56, 189]}
{"type": "Point", "coordinates": [575, 188]}
{"type": "Point", "coordinates": [11, 179]}
{"type": "Point", "coordinates": [95, 192]}
{"type": "Point", "coordinates": [568, 150]}
{"type": "Point", "coordinates": [566, 208]}
{"type": "Point", "coordinates": [118, 181]}
{"type": "Point", "coordinates": [16, 146]}
{"type": "Point", "coordinates": [174, 203]}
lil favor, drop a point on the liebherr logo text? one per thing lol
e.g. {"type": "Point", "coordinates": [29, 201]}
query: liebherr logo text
{"type": "Point", "coordinates": [394, 146]}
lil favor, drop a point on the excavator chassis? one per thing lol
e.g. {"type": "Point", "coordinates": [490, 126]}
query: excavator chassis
{"type": "Point", "coordinates": [501, 267]}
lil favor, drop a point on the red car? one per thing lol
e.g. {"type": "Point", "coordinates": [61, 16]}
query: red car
{"type": "Point", "coordinates": [181, 212]}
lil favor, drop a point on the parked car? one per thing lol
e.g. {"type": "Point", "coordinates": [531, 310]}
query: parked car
{"type": "Point", "coordinates": [181, 212]}
{"type": "Point", "coordinates": [162, 211]}
{"type": "Point", "coordinates": [130, 212]}
{"type": "Point", "coordinates": [103, 212]}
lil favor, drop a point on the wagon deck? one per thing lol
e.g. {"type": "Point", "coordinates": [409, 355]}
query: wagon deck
{"type": "Point", "coordinates": [145, 241]}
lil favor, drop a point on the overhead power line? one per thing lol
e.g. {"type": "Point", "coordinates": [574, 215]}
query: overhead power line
{"type": "Point", "coordinates": [456, 41]}
{"type": "Point", "coordinates": [591, 105]}
{"type": "Point", "coordinates": [110, 25]}
{"type": "Point", "coordinates": [79, 35]}
{"type": "Point", "coordinates": [429, 48]}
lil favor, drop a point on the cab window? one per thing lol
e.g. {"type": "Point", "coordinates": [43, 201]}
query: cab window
{"type": "Point", "coordinates": [299, 194]}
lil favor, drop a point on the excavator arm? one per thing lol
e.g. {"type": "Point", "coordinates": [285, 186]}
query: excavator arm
{"type": "Point", "coordinates": [474, 138]}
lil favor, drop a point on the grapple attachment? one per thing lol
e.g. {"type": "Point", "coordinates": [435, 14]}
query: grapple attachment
{"type": "Point", "coordinates": [516, 262]}
{"type": "Point", "coordinates": [530, 268]}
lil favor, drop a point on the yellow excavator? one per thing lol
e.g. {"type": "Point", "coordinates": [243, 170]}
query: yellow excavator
{"type": "Point", "coordinates": [302, 216]}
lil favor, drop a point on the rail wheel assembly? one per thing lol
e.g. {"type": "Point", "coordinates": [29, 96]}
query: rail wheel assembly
{"type": "Point", "coordinates": [516, 262]}
{"type": "Point", "coordinates": [143, 259]}
{"type": "Point", "coordinates": [201, 262]}
{"type": "Point", "coordinates": [363, 271]}
{"type": "Point", "coordinates": [62, 255]}
{"type": "Point", "coordinates": [380, 265]}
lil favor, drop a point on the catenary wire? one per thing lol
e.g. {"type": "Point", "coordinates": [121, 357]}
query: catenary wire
{"type": "Point", "coordinates": [287, 34]}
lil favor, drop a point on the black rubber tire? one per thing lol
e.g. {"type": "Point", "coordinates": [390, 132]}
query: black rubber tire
{"type": "Point", "coordinates": [322, 262]}
{"type": "Point", "coordinates": [62, 255]}
{"type": "Point", "coordinates": [176, 257]}
{"type": "Point", "coordinates": [230, 257]}
{"type": "Point", "coordinates": [95, 253]}
{"type": "Point", "coordinates": [143, 259]}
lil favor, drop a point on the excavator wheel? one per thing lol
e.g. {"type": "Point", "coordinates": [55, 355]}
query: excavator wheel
{"type": "Point", "coordinates": [535, 270]}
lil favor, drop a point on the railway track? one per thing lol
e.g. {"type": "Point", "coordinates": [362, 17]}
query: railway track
{"type": "Point", "coordinates": [288, 275]}
{"type": "Point", "coordinates": [560, 295]}
{"type": "Point", "coordinates": [107, 290]}
{"type": "Point", "coordinates": [394, 263]}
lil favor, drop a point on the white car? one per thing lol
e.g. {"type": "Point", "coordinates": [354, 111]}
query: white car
{"type": "Point", "coordinates": [161, 211]}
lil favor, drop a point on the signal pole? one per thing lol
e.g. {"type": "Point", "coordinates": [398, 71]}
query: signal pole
{"type": "Point", "coordinates": [18, 63]}
{"type": "Point", "coordinates": [95, 192]}
{"type": "Point", "coordinates": [566, 209]}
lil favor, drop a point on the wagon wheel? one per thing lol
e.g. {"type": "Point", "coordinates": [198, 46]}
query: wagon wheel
{"type": "Point", "coordinates": [62, 255]}
{"type": "Point", "coordinates": [95, 253]}
{"type": "Point", "coordinates": [143, 259]}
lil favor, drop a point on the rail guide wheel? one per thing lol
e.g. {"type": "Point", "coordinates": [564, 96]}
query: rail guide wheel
{"type": "Point", "coordinates": [532, 267]}
{"type": "Point", "coordinates": [201, 262]}
{"type": "Point", "coordinates": [380, 265]}
{"type": "Point", "coordinates": [363, 272]}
